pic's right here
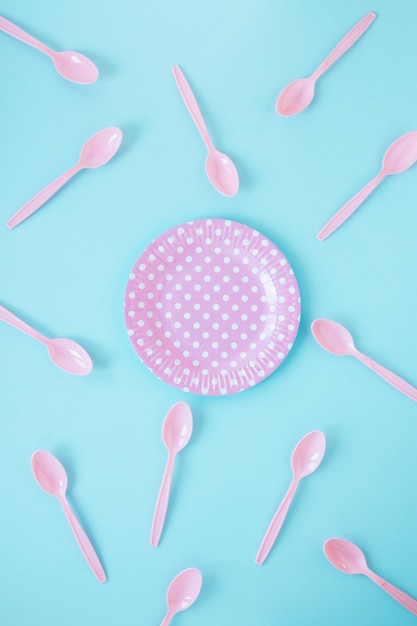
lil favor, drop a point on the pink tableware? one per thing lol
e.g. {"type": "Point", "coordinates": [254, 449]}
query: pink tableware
{"type": "Point", "coordinates": [182, 592]}
{"type": "Point", "coordinates": [221, 172]}
{"type": "Point", "coordinates": [348, 558]}
{"type": "Point", "coordinates": [296, 96]}
{"type": "Point", "coordinates": [71, 65]}
{"type": "Point", "coordinates": [399, 157]}
{"type": "Point", "coordinates": [212, 307]}
{"type": "Point", "coordinates": [176, 433]}
{"type": "Point", "coordinates": [307, 456]}
{"type": "Point", "coordinates": [97, 151]}
{"type": "Point", "coordinates": [336, 339]}
{"type": "Point", "coordinates": [52, 478]}
{"type": "Point", "coordinates": [66, 354]}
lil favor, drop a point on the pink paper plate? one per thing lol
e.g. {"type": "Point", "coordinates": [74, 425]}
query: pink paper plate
{"type": "Point", "coordinates": [212, 307]}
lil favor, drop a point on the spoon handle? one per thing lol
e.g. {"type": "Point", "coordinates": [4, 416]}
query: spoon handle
{"type": "Point", "coordinates": [10, 318]}
{"type": "Point", "coordinates": [162, 503]}
{"type": "Point", "coordinates": [18, 33]}
{"type": "Point", "coordinates": [84, 543]}
{"type": "Point", "coordinates": [191, 104]}
{"type": "Point", "coordinates": [276, 524]}
{"type": "Point", "coordinates": [348, 40]}
{"type": "Point", "coordinates": [37, 201]}
{"type": "Point", "coordinates": [348, 208]}
{"type": "Point", "coordinates": [391, 378]}
{"type": "Point", "coordinates": [407, 601]}
{"type": "Point", "coordinates": [167, 619]}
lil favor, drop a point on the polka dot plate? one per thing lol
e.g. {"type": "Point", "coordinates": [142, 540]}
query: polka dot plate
{"type": "Point", "coordinates": [212, 307]}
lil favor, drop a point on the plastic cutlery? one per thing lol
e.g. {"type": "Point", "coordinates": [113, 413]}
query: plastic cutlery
{"type": "Point", "coordinates": [52, 478]}
{"type": "Point", "coordinates": [71, 65]}
{"type": "Point", "coordinates": [306, 458]}
{"type": "Point", "coordinates": [398, 158]}
{"type": "Point", "coordinates": [220, 170]}
{"type": "Point", "coordinates": [348, 558]}
{"type": "Point", "coordinates": [182, 592]}
{"type": "Point", "coordinates": [97, 151]}
{"type": "Point", "coordinates": [66, 354]}
{"type": "Point", "coordinates": [176, 433]}
{"type": "Point", "coordinates": [336, 339]}
{"type": "Point", "coordinates": [296, 96]}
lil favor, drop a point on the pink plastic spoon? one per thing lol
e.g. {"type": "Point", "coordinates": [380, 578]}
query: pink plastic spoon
{"type": "Point", "coordinates": [348, 558]}
{"type": "Point", "coordinates": [182, 592]}
{"type": "Point", "coordinates": [296, 96]}
{"type": "Point", "coordinates": [336, 339]}
{"type": "Point", "coordinates": [52, 478]}
{"type": "Point", "coordinates": [176, 433]}
{"type": "Point", "coordinates": [66, 354]}
{"type": "Point", "coordinates": [398, 158]}
{"type": "Point", "coordinates": [220, 170]}
{"type": "Point", "coordinates": [96, 151]}
{"type": "Point", "coordinates": [71, 65]}
{"type": "Point", "coordinates": [305, 459]}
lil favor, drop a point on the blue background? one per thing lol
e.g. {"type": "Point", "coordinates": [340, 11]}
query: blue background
{"type": "Point", "coordinates": [66, 268]}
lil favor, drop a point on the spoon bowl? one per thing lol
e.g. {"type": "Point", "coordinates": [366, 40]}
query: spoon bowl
{"type": "Point", "coordinates": [333, 337]}
{"type": "Point", "coordinates": [295, 97]}
{"type": "Point", "coordinates": [182, 592]}
{"type": "Point", "coordinates": [222, 173]}
{"type": "Point", "coordinates": [308, 454]}
{"type": "Point", "coordinates": [345, 556]}
{"type": "Point", "coordinates": [101, 147]}
{"type": "Point", "coordinates": [49, 473]}
{"type": "Point", "coordinates": [401, 154]}
{"type": "Point", "coordinates": [177, 427]}
{"type": "Point", "coordinates": [69, 356]}
{"type": "Point", "coordinates": [74, 67]}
